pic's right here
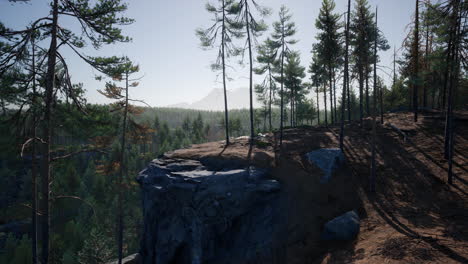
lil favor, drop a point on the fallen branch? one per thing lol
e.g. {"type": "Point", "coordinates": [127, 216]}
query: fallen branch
{"type": "Point", "coordinates": [398, 130]}
{"type": "Point", "coordinates": [78, 152]}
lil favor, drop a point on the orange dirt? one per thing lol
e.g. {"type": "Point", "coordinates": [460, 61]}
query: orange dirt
{"type": "Point", "coordinates": [414, 216]}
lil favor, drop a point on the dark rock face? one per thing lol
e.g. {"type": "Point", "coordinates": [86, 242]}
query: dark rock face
{"type": "Point", "coordinates": [341, 228]}
{"type": "Point", "coordinates": [199, 214]}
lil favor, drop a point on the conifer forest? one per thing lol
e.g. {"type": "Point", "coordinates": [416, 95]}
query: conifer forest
{"type": "Point", "coordinates": [336, 131]}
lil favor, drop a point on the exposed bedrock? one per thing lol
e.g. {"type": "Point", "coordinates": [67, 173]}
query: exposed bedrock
{"type": "Point", "coordinates": [199, 212]}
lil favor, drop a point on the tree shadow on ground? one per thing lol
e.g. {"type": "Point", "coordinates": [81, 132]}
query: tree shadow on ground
{"type": "Point", "coordinates": [411, 196]}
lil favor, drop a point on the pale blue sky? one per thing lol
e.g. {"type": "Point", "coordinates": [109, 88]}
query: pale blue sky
{"type": "Point", "coordinates": [175, 69]}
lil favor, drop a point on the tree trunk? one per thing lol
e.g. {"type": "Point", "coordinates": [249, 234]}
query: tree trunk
{"type": "Point", "coordinates": [291, 111]}
{"type": "Point", "coordinates": [346, 79]}
{"type": "Point", "coordinates": [318, 106]}
{"type": "Point", "coordinates": [330, 69]}
{"type": "Point", "coordinates": [367, 91]}
{"type": "Point", "coordinates": [374, 132]}
{"type": "Point", "coordinates": [34, 160]}
{"type": "Point", "coordinates": [121, 172]}
{"type": "Point", "coordinates": [49, 86]}
{"type": "Point", "coordinates": [416, 63]}
{"type": "Point", "coordinates": [381, 104]}
{"type": "Point", "coordinates": [226, 112]}
{"type": "Point", "coordinates": [251, 74]}
{"type": "Point", "coordinates": [334, 97]}
{"type": "Point", "coordinates": [361, 87]}
{"type": "Point", "coordinates": [282, 86]}
{"type": "Point", "coordinates": [427, 68]}
{"type": "Point", "coordinates": [270, 101]}
{"type": "Point", "coordinates": [454, 69]}
{"type": "Point", "coordinates": [325, 105]}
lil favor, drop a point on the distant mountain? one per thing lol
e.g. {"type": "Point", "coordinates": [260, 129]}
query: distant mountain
{"type": "Point", "coordinates": [214, 101]}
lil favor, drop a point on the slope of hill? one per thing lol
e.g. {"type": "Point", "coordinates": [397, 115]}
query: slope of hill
{"type": "Point", "coordinates": [414, 216]}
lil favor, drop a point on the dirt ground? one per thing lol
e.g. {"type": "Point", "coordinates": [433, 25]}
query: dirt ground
{"type": "Point", "coordinates": [414, 216]}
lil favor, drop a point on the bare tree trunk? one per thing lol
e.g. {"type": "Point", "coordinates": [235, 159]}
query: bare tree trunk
{"type": "Point", "coordinates": [374, 132]}
{"type": "Point", "coordinates": [49, 86]}
{"type": "Point", "coordinates": [346, 78]}
{"type": "Point", "coordinates": [325, 103]}
{"type": "Point", "coordinates": [381, 104]}
{"type": "Point", "coordinates": [427, 68]}
{"type": "Point", "coordinates": [416, 63]}
{"type": "Point", "coordinates": [270, 101]}
{"type": "Point", "coordinates": [251, 74]}
{"type": "Point", "coordinates": [334, 97]}
{"type": "Point", "coordinates": [34, 160]}
{"type": "Point", "coordinates": [282, 85]}
{"type": "Point", "coordinates": [318, 106]}
{"type": "Point", "coordinates": [330, 69]}
{"type": "Point", "coordinates": [123, 165]}
{"type": "Point", "coordinates": [394, 67]}
{"type": "Point", "coordinates": [226, 111]}
{"type": "Point", "coordinates": [361, 87]}
{"type": "Point", "coordinates": [367, 91]}
{"type": "Point", "coordinates": [291, 105]}
{"type": "Point", "coordinates": [454, 65]}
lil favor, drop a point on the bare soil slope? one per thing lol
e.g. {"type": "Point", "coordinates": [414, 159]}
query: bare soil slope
{"type": "Point", "coordinates": [414, 217]}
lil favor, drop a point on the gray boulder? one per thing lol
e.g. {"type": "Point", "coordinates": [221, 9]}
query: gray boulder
{"type": "Point", "coordinates": [341, 228]}
{"type": "Point", "coordinates": [328, 160]}
{"type": "Point", "coordinates": [132, 259]}
{"type": "Point", "coordinates": [197, 214]}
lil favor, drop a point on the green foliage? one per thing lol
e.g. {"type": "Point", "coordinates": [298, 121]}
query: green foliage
{"type": "Point", "coordinates": [16, 251]}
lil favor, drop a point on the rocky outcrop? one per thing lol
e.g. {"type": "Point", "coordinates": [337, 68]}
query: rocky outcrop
{"type": "Point", "coordinates": [341, 228]}
{"type": "Point", "coordinates": [194, 214]}
{"type": "Point", "coordinates": [219, 210]}
{"type": "Point", "coordinates": [328, 160]}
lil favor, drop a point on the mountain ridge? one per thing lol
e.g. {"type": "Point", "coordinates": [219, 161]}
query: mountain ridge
{"type": "Point", "coordinates": [214, 100]}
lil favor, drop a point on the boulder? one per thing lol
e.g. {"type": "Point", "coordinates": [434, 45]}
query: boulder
{"type": "Point", "coordinates": [328, 160]}
{"type": "Point", "coordinates": [132, 259]}
{"type": "Point", "coordinates": [342, 228]}
{"type": "Point", "coordinates": [194, 213]}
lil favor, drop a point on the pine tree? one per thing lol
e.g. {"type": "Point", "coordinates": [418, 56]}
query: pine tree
{"type": "Point", "coordinates": [283, 31]}
{"type": "Point", "coordinates": [329, 46]}
{"type": "Point", "coordinates": [224, 29]}
{"type": "Point", "coordinates": [362, 37]}
{"type": "Point", "coordinates": [122, 72]}
{"type": "Point", "coordinates": [267, 89]}
{"type": "Point", "coordinates": [318, 76]}
{"type": "Point", "coordinates": [294, 73]}
{"type": "Point", "coordinates": [250, 17]}
{"type": "Point", "coordinates": [100, 21]}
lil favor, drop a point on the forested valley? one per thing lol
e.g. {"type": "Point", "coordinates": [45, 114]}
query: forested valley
{"type": "Point", "coordinates": [68, 168]}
